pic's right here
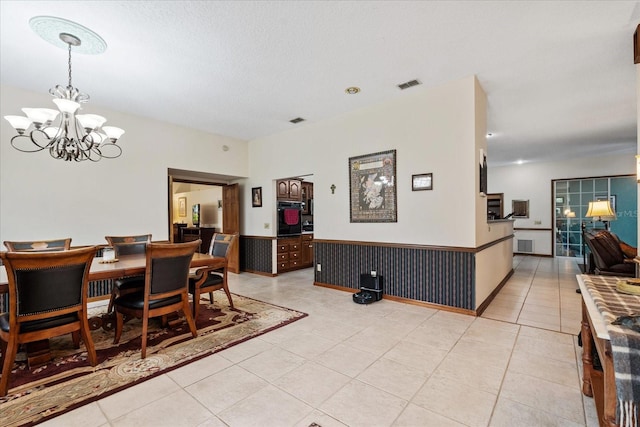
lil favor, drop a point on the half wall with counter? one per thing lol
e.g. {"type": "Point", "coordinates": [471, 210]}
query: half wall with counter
{"type": "Point", "coordinates": [456, 278]}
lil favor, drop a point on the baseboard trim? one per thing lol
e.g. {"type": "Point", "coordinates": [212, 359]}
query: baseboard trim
{"type": "Point", "coordinates": [402, 300]}
{"type": "Point", "coordinates": [482, 307]}
{"type": "Point", "coordinates": [261, 273]}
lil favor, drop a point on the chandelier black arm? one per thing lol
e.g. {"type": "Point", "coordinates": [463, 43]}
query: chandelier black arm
{"type": "Point", "coordinates": [29, 137]}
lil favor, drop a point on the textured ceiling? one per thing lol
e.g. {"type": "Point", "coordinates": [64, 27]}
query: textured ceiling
{"type": "Point", "coordinates": [559, 75]}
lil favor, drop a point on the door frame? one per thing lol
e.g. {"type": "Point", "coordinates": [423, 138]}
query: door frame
{"type": "Point", "coordinates": [216, 180]}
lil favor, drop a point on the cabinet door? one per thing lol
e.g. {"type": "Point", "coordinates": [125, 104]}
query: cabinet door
{"type": "Point", "coordinates": [295, 190]}
{"type": "Point", "coordinates": [282, 189]}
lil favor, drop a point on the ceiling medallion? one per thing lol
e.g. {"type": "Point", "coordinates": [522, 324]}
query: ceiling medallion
{"type": "Point", "coordinates": [352, 90]}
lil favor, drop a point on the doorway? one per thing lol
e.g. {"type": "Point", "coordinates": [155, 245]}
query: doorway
{"type": "Point", "coordinates": [201, 204]}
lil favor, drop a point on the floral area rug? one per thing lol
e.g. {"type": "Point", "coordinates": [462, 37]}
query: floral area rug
{"type": "Point", "coordinates": [69, 381]}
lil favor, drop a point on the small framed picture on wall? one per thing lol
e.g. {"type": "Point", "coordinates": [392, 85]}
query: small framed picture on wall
{"type": "Point", "coordinates": [256, 197]}
{"type": "Point", "coordinates": [423, 181]}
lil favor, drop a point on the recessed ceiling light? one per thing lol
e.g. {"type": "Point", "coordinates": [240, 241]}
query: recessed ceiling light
{"type": "Point", "coordinates": [352, 90]}
{"type": "Point", "coordinates": [297, 120]}
{"type": "Point", "coordinates": [519, 162]}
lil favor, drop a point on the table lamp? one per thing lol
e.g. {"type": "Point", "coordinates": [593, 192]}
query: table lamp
{"type": "Point", "coordinates": [601, 209]}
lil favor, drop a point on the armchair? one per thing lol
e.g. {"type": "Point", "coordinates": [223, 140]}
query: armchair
{"type": "Point", "coordinates": [47, 298]}
{"type": "Point", "coordinates": [165, 288]}
{"type": "Point", "coordinates": [608, 255]}
{"type": "Point", "coordinates": [127, 245]}
{"type": "Point", "coordinates": [209, 279]}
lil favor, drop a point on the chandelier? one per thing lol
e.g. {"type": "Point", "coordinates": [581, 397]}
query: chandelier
{"type": "Point", "coordinates": [67, 135]}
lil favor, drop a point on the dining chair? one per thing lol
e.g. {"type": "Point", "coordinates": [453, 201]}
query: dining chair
{"type": "Point", "coordinates": [47, 298]}
{"type": "Point", "coordinates": [210, 279]}
{"type": "Point", "coordinates": [127, 245]}
{"type": "Point", "coordinates": [165, 288]}
{"type": "Point", "coordinates": [39, 245]}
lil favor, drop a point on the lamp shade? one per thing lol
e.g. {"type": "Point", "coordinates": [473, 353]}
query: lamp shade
{"type": "Point", "coordinates": [599, 209]}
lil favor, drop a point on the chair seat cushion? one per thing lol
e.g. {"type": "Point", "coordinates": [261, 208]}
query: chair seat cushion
{"type": "Point", "coordinates": [213, 279]}
{"type": "Point", "coordinates": [126, 283]}
{"type": "Point", "coordinates": [135, 301]}
{"type": "Point", "coordinates": [36, 325]}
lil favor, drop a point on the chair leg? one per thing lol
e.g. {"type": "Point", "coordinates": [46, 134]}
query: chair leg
{"type": "Point", "coordinates": [119, 325]}
{"type": "Point", "coordinates": [114, 294]}
{"type": "Point", "coordinates": [211, 297]}
{"type": "Point", "coordinates": [187, 314]}
{"type": "Point", "coordinates": [196, 304]}
{"type": "Point", "coordinates": [11, 350]}
{"type": "Point", "coordinates": [88, 341]}
{"type": "Point", "coordinates": [226, 291]}
{"type": "Point", "coordinates": [3, 350]}
{"type": "Point", "coordinates": [145, 326]}
{"type": "Point", "coordinates": [75, 336]}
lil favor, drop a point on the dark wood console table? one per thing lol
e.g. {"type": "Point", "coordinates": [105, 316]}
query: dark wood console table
{"type": "Point", "coordinates": [189, 234]}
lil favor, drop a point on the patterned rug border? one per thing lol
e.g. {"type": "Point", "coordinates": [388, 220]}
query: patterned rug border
{"type": "Point", "coordinates": [297, 316]}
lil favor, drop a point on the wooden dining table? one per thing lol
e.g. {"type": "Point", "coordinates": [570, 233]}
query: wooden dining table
{"type": "Point", "coordinates": [128, 265]}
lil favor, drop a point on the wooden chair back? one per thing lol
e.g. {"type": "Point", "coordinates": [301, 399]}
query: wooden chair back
{"type": "Point", "coordinates": [129, 245]}
{"type": "Point", "coordinates": [167, 269]}
{"type": "Point", "coordinates": [47, 298]}
{"type": "Point", "coordinates": [221, 244]}
{"type": "Point", "coordinates": [39, 245]}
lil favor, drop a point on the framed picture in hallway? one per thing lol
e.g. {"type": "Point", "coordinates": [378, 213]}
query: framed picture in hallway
{"type": "Point", "coordinates": [182, 206]}
{"type": "Point", "coordinates": [372, 189]}
{"type": "Point", "coordinates": [256, 197]}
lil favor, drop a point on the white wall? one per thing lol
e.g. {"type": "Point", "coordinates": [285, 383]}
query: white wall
{"type": "Point", "coordinates": [432, 129]}
{"type": "Point", "coordinates": [44, 198]}
{"type": "Point", "coordinates": [532, 181]}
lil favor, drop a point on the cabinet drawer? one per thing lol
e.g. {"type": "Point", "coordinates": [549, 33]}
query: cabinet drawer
{"type": "Point", "coordinates": [294, 255]}
{"type": "Point", "coordinates": [283, 257]}
{"type": "Point", "coordinates": [283, 247]}
{"type": "Point", "coordinates": [282, 266]}
{"type": "Point", "coordinates": [307, 237]}
{"type": "Point", "coordinates": [294, 247]}
{"type": "Point", "coordinates": [294, 263]}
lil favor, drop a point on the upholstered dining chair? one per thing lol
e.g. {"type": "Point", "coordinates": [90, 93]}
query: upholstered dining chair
{"type": "Point", "coordinates": [47, 298]}
{"type": "Point", "coordinates": [210, 279]}
{"type": "Point", "coordinates": [127, 245]}
{"type": "Point", "coordinates": [39, 245]}
{"type": "Point", "coordinates": [165, 288]}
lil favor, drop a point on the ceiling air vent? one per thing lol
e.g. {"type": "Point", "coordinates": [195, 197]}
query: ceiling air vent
{"type": "Point", "coordinates": [297, 120]}
{"type": "Point", "coordinates": [408, 84]}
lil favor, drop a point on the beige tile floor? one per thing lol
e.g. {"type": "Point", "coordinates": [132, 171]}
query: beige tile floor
{"type": "Point", "coordinates": [386, 364]}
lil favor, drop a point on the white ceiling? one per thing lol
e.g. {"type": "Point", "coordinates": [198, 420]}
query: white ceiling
{"type": "Point", "coordinates": [559, 75]}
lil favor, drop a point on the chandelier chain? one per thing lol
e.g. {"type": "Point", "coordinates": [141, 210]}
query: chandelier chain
{"type": "Point", "coordinates": [69, 45]}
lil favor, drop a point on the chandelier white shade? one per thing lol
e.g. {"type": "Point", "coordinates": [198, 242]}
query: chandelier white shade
{"type": "Point", "coordinates": [64, 133]}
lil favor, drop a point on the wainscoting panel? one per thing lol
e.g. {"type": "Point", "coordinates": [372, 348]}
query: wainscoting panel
{"type": "Point", "coordinates": [436, 276]}
{"type": "Point", "coordinates": [256, 254]}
